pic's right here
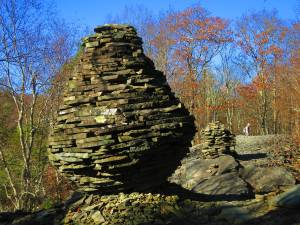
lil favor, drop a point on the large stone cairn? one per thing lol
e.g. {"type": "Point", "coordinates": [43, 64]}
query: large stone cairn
{"type": "Point", "coordinates": [216, 140]}
{"type": "Point", "coordinates": [120, 128]}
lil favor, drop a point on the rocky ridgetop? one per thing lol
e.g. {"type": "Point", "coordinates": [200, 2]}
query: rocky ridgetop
{"type": "Point", "coordinates": [121, 132]}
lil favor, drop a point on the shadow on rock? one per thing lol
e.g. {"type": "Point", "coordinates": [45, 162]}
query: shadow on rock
{"type": "Point", "coordinates": [279, 216]}
{"type": "Point", "coordinates": [174, 189]}
{"type": "Point", "coordinates": [171, 205]}
{"type": "Point", "coordinates": [247, 157]}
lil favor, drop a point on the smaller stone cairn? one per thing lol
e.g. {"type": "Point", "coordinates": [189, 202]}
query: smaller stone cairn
{"type": "Point", "coordinates": [216, 141]}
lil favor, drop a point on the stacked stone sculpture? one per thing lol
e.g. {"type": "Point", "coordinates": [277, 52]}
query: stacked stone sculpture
{"type": "Point", "coordinates": [216, 140]}
{"type": "Point", "coordinates": [120, 128]}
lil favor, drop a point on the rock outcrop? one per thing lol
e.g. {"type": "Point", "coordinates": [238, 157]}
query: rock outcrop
{"type": "Point", "coordinates": [268, 179]}
{"type": "Point", "coordinates": [289, 199]}
{"type": "Point", "coordinates": [120, 128]}
{"type": "Point", "coordinates": [210, 168]}
{"type": "Point", "coordinates": [217, 178]}
{"type": "Point", "coordinates": [227, 174]}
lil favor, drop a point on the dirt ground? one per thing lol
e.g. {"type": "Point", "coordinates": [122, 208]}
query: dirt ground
{"type": "Point", "coordinates": [268, 151]}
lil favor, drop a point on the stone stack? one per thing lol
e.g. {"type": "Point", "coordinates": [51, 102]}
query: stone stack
{"type": "Point", "coordinates": [216, 140]}
{"type": "Point", "coordinates": [120, 128]}
{"type": "Point", "coordinates": [210, 169]}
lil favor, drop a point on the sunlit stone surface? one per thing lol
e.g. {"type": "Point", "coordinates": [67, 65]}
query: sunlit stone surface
{"type": "Point", "coordinates": [120, 128]}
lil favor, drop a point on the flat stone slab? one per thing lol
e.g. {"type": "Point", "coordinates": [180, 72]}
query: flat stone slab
{"type": "Point", "coordinates": [289, 199]}
{"type": "Point", "coordinates": [236, 215]}
{"type": "Point", "coordinates": [265, 180]}
{"type": "Point", "coordinates": [229, 184]}
{"type": "Point", "coordinates": [194, 171]}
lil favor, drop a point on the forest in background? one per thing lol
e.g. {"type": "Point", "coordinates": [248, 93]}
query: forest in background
{"type": "Point", "coordinates": [238, 71]}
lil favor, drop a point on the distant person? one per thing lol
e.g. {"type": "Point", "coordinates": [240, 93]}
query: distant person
{"type": "Point", "coordinates": [246, 129]}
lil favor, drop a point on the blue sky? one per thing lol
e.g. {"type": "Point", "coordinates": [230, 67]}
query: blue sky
{"type": "Point", "coordinates": [94, 12]}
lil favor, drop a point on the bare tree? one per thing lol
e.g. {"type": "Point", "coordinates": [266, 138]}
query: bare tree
{"type": "Point", "coordinates": [259, 36]}
{"type": "Point", "coordinates": [33, 46]}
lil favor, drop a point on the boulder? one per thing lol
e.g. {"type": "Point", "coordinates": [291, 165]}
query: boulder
{"type": "Point", "coordinates": [266, 179]}
{"type": "Point", "coordinates": [194, 170]}
{"type": "Point", "coordinates": [228, 185]}
{"type": "Point", "coordinates": [210, 169]}
{"type": "Point", "coordinates": [289, 199]}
